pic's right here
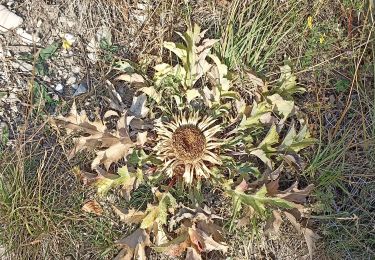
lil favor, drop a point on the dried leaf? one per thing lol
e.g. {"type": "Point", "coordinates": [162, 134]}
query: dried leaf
{"type": "Point", "coordinates": [140, 236]}
{"type": "Point", "coordinates": [113, 153]}
{"type": "Point", "coordinates": [152, 93]}
{"type": "Point", "coordinates": [273, 224]}
{"type": "Point", "coordinates": [159, 213]}
{"type": "Point", "coordinates": [282, 106]}
{"type": "Point", "coordinates": [257, 82]}
{"type": "Point", "coordinates": [293, 194]}
{"type": "Point", "coordinates": [192, 94]}
{"type": "Point", "coordinates": [309, 235]}
{"type": "Point", "coordinates": [129, 216]}
{"type": "Point", "coordinates": [92, 206]}
{"type": "Point", "coordinates": [192, 254]}
{"type": "Point", "coordinates": [138, 107]}
{"type": "Point", "coordinates": [243, 186]}
{"type": "Point", "coordinates": [133, 78]}
{"type": "Point", "coordinates": [141, 138]}
{"type": "Point", "coordinates": [246, 217]}
{"type": "Point", "coordinates": [109, 146]}
{"type": "Point", "coordinates": [176, 246]}
{"type": "Point", "coordinates": [124, 254]}
{"type": "Point", "coordinates": [205, 243]}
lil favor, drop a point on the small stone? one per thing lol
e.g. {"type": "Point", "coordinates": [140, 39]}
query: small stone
{"type": "Point", "coordinates": [76, 70]}
{"type": "Point", "coordinates": [70, 23]}
{"type": "Point", "coordinates": [59, 88]}
{"type": "Point", "coordinates": [93, 57]}
{"type": "Point", "coordinates": [79, 89]}
{"type": "Point", "coordinates": [27, 37]}
{"type": "Point", "coordinates": [39, 23]}
{"type": "Point", "coordinates": [8, 19]}
{"type": "Point", "coordinates": [71, 80]}
{"type": "Point", "coordinates": [14, 109]}
{"type": "Point", "coordinates": [23, 66]}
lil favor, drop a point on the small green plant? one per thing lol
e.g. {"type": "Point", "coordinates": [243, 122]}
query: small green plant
{"type": "Point", "coordinates": [4, 137]}
{"type": "Point", "coordinates": [108, 48]}
{"type": "Point", "coordinates": [342, 85]}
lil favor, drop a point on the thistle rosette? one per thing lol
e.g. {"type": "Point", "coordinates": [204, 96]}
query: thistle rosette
{"type": "Point", "coordinates": [238, 146]}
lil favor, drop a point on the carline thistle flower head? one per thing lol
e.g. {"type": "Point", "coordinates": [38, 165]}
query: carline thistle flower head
{"type": "Point", "coordinates": [187, 146]}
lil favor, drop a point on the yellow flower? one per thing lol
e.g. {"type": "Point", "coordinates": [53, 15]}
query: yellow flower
{"type": "Point", "coordinates": [322, 38]}
{"type": "Point", "coordinates": [186, 146]}
{"type": "Point", "coordinates": [310, 22]}
{"type": "Point", "coordinates": [68, 41]}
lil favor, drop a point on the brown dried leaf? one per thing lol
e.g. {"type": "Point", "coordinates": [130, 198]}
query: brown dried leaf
{"type": "Point", "coordinates": [124, 254]}
{"type": "Point", "coordinates": [92, 206]}
{"type": "Point", "coordinates": [205, 243]}
{"type": "Point", "coordinates": [140, 236]}
{"type": "Point", "coordinates": [192, 254]}
{"type": "Point", "coordinates": [129, 216]}
{"type": "Point", "coordinates": [109, 146]}
{"type": "Point", "coordinates": [133, 78]}
{"type": "Point", "coordinates": [273, 224]}
{"type": "Point", "coordinates": [273, 187]}
{"type": "Point", "coordinates": [293, 194]}
{"type": "Point", "coordinates": [176, 246]}
{"type": "Point", "coordinates": [243, 186]}
{"type": "Point", "coordinates": [193, 215]}
{"type": "Point", "coordinates": [113, 153]}
{"type": "Point", "coordinates": [247, 215]}
{"type": "Point", "coordinates": [310, 236]}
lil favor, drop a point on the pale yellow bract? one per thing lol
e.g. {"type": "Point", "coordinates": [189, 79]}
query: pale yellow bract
{"type": "Point", "coordinates": [187, 146]}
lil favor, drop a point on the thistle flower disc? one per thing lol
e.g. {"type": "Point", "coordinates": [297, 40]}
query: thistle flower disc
{"type": "Point", "coordinates": [186, 146]}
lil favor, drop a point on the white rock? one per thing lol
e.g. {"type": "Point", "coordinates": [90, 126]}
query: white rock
{"type": "Point", "coordinates": [12, 96]}
{"type": "Point", "coordinates": [39, 23]}
{"type": "Point", "coordinates": [76, 70]}
{"type": "Point", "coordinates": [27, 37]}
{"type": "Point", "coordinates": [23, 66]}
{"type": "Point", "coordinates": [79, 89]}
{"type": "Point", "coordinates": [8, 20]}
{"type": "Point", "coordinates": [93, 57]}
{"type": "Point", "coordinates": [92, 46]}
{"type": "Point", "coordinates": [59, 88]}
{"type": "Point", "coordinates": [141, 13]}
{"type": "Point", "coordinates": [70, 23]}
{"type": "Point", "coordinates": [71, 80]}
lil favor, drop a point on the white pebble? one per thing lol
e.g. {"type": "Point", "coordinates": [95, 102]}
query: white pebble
{"type": "Point", "coordinates": [8, 20]}
{"type": "Point", "coordinates": [71, 80]}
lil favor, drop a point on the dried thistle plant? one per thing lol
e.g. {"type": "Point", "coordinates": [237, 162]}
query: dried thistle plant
{"type": "Point", "coordinates": [205, 131]}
